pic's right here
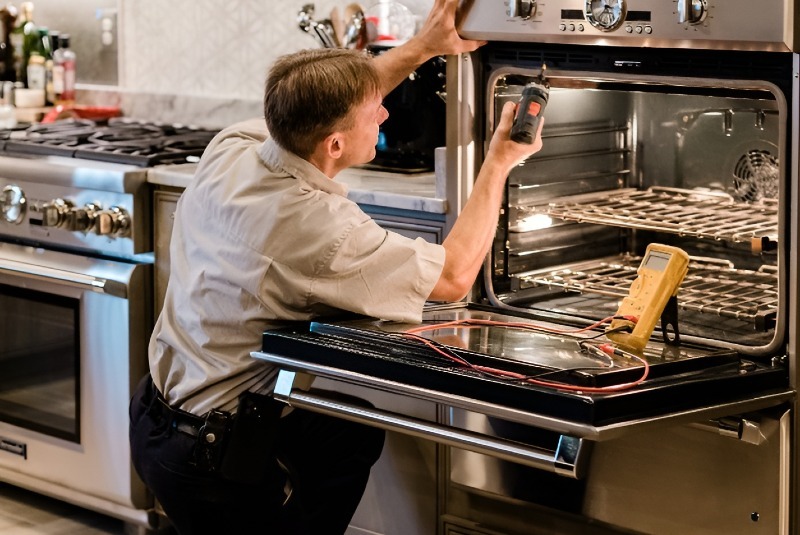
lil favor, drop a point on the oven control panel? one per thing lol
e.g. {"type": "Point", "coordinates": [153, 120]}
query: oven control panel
{"type": "Point", "coordinates": [713, 24]}
{"type": "Point", "coordinates": [84, 219]}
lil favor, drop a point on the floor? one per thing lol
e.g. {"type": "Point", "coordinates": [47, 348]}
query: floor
{"type": "Point", "coordinates": [27, 513]}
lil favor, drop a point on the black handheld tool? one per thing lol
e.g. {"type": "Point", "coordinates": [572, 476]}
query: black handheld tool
{"type": "Point", "coordinates": [530, 108]}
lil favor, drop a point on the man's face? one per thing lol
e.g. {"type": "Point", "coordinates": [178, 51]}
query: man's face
{"type": "Point", "coordinates": [360, 140]}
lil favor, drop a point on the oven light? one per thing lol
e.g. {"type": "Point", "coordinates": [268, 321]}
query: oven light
{"type": "Point", "coordinates": [535, 222]}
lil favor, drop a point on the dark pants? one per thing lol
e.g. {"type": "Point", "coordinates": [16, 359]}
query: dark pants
{"type": "Point", "coordinates": [328, 460]}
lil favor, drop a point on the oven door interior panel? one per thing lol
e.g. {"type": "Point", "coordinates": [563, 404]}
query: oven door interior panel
{"type": "Point", "coordinates": [684, 383]}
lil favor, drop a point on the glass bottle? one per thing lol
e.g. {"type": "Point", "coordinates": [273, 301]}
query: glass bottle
{"type": "Point", "coordinates": [49, 89]}
{"type": "Point", "coordinates": [39, 54]}
{"type": "Point", "coordinates": [64, 71]}
{"type": "Point", "coordinates": [8, 17]}
{"type": "Point", "coordinates": [22, 38]}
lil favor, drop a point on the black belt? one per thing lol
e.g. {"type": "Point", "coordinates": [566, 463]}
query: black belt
{"type": "Point", "coordinates": [211, 430]}
{"type": "Point", "coordinates": [182, 421]}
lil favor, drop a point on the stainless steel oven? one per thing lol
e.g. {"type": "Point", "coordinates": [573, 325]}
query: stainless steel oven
{"type": "Point", "coordinates": [76, 304]}
{"type": "Point", "coordinates": [73, 344]}
{"type": "Point", "coordinates": [674, 124]}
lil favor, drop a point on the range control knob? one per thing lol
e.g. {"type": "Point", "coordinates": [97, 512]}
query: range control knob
{"type": "Point", "coordinates": [114, 221]}
{"type": "Point", "coordinates": [82, 218]}
{"type": "Point", "coordinates": [521, 8]}
{"type": "Point", "coordinates": [692, 11]}
{"type": "Point", "coordinates": [13, 204]}
{"type": "Point", "coordinates": [55, 213]}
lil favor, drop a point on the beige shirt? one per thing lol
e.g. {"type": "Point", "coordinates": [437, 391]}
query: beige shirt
{"type": "Point", "coordinates": [263, 235]}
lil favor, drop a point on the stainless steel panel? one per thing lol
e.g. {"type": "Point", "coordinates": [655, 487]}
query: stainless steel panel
{"type": "Point", "coordinates": [734, 25]}
{"type": "Point", "coordinates": [680, 479]}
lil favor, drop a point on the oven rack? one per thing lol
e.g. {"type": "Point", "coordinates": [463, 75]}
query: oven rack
{"type": "Point", "coordinates": [710, 286]}
{"type": "Point", "coordinates": [686, 213]}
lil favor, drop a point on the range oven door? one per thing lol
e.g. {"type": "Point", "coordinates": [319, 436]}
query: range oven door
{"type": "Point", "coordinates": [684, 384]}
{"type": "Point", "coordinates": [73, 336]}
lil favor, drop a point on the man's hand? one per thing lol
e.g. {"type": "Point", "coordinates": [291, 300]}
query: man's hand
{"type": "Point", "coordinates": [438, 36]}
{"type": "Point", "coordinates": [507, 153]}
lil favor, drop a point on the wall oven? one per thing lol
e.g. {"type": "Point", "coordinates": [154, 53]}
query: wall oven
{"type": "Point", "coordinates": [669, 124]}
{"type": "Point", "coordinates": [76, 305]}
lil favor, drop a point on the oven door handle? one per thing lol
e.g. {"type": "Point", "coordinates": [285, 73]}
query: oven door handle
{"type": "Point", "coordinates": [569, 459]}
{"type": "Point", "coordinates": [70, 278]}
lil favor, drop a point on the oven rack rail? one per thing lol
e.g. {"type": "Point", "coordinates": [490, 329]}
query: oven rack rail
{"type": "Point", "coordinates": [710, 286]}
{"type": "Point", "coordinates": [683, 212]}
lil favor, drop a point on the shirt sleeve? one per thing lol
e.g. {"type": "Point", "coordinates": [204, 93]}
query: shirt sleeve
{"type": "Point", "coordinates": [380, 273]}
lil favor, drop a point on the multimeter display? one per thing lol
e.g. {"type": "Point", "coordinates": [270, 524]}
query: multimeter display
{"type": "Point", "coordinates": [658, 278]}
{"type": "Point", "coordinates": [657, 261]}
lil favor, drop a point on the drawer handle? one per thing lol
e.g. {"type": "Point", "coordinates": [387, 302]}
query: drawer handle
{"type": "Point", "coordinates": [77, 280]}
{"type": "Point", "coordinates": [568, 460]}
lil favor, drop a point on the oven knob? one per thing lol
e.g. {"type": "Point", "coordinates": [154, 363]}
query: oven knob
{"type": "Point", "coordinates": [55, 213]}
{"type": "Point", "coordinates": [692, 11]}
{"type": "Point", "coordinates": [82, 219]}
{"type": "Point", "coordinates": [13, 204]}
{"type": "Point", "coordinates": [521, 8]}
{"type": "Point", "coordinates": [112, 222]}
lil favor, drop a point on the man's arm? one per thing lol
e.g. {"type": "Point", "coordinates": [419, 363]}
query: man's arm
{"type": "Point", "coordinates": [471, 236]}
{"type": "Point", "coordinates": [437, 37]}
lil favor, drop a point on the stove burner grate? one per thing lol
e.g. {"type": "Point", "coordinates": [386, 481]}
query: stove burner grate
{"type": "Point", "coordinates": [122, 141]}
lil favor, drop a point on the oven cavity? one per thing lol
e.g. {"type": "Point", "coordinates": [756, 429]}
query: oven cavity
{"type": "Point", "coordinates": [630, 160]}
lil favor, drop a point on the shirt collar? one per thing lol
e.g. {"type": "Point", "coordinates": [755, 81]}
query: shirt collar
{"type": "Point", "coordinates": [277, 158]}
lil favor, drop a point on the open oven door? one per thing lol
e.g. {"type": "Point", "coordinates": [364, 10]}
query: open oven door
{"type": "Point", "coordinates": [522, 370]}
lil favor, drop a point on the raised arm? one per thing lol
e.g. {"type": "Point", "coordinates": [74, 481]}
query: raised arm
{"type": "Point", "coordinates": [471, 236]}
{"type": "Point", "coordinates": [437, 37]}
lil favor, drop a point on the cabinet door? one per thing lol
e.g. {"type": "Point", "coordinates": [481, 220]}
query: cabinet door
{"type": "Point", "coordinates": [429, 233]}
{"type": "Point", "coordinates": [165, 203]}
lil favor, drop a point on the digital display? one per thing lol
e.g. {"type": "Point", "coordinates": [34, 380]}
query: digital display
{"type": "Point", "coordinates": [638, 16]}
{"type": "Point", "coordinates": [657, 261]}
{"type": "Point", "coordinates": [572, 14]}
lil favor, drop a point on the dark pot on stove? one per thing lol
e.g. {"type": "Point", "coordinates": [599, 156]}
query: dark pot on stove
{"type": "Point", "coordinates": [416, 123]}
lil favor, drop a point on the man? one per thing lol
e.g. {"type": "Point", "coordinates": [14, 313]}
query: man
{"type": "Point", "coordinates": [265, 234]}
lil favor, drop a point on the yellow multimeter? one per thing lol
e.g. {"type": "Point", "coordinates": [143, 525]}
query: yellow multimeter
{"type": "Point", "coordinates": [658, 278]}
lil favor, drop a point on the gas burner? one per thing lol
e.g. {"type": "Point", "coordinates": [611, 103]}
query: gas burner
{"type": "Point", "coordinates": [125, 141]}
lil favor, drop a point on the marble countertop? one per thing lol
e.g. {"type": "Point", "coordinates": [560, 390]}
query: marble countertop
{"type": "Point", "coordinates": [420, 192]}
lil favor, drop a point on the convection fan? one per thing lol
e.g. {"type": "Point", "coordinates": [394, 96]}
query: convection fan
{"type": "Point", "coordinates": [755, 176]}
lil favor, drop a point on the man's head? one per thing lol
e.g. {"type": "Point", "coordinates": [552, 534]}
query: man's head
{"type": "Point", "coordinates": [311, 94]}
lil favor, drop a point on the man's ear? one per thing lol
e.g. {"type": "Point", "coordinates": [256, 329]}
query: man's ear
{"type": "Point", "coordinates": [334, 145]}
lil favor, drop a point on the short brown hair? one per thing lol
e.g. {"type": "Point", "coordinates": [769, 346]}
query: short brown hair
{"type": "Point", "coordinates": [309, 93]}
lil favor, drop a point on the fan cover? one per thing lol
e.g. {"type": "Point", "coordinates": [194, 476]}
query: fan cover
{"type": "Point", "coordinates": [755, 176]}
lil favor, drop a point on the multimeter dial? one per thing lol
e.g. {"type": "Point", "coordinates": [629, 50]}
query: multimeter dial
{"type": "Point", "coordinates": [605, 15]}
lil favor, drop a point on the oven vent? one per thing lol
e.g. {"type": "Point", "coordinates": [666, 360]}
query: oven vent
{"type": "Point", "coordinates": [755, 176]}
{"type": "Point", "coordinates": [732, 64]}
{"type": "Point", "coordinates": [535, 58]}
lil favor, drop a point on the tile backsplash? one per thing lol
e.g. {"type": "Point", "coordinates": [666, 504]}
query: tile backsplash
{"type": "Point", "coordinates": [193, 61]}
{"type": "Point", "coordinates": [206, 59]}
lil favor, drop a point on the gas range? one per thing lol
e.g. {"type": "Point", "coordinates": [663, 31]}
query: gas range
{"type": "Point", "coordinates": [81, 186]}
{"type": "Point", "coordinates": [126, 141]}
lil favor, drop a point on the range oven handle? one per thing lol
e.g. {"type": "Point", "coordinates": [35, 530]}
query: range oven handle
{"type": "Point", "coordinates": [569, 459]}
{"type": "Point", "coordinates": [70, 278]}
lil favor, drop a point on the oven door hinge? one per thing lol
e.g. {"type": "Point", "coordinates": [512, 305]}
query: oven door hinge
{"type": "Point", "coordinates": [736, 427]}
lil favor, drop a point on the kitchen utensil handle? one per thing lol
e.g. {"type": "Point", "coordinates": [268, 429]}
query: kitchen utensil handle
{"type": "Point", "coordinates": [567, 460]}
{"type": "Point", "coordinates": [76, 280]}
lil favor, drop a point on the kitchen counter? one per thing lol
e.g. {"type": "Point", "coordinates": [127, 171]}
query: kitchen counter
{"type": "Point", "coordinates": [419, 192]}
